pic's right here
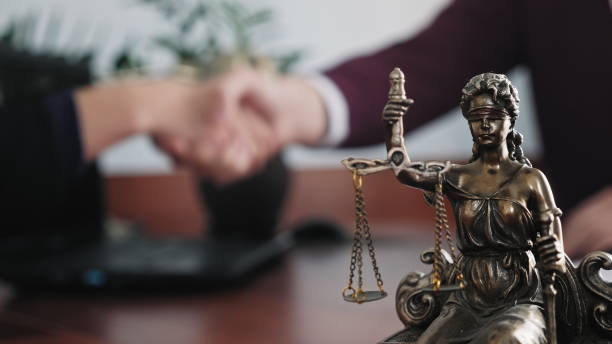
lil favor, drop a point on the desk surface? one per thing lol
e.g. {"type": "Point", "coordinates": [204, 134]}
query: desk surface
{"type": "Point", "coordinates": [296, 302]}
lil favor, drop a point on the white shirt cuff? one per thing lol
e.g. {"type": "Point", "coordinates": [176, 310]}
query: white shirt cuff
{"type": "Point", "coordinates": [336, 108]}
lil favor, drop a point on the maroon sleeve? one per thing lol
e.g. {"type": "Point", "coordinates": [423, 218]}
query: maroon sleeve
{"type": "Point", "coordinates": [468, 38]}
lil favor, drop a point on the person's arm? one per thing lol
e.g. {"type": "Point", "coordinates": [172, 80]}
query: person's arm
{"type": "Point", "coordinates": [42, 163]}
{"type": "Point", "coordinates": [587, 227]}
{"type": "Point", "coordinates": [40, 139]}
{"type": "Point", "coordinates": [109, 113]}
{"type": "Point", "coordinates": [468, 38]}
{"type": "Point", "coordinates": [47, 143]}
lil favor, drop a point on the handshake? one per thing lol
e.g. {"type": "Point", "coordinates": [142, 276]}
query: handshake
{"type": "Point", "coordinates": [224, 129]}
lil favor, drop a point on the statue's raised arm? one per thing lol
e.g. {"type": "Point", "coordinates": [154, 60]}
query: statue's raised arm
{"type": "Point", "coordinates": [393, 114]}
{"type": "Point", "coordinates": [417, 174]}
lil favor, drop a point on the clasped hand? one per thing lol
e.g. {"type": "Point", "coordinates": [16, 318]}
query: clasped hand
{"type": "Point", "coordinates": [224, 129]}
{"type": "Point", "coordinates": [550, 253]}
{"type": "Point", "coordinates": [395, 109]}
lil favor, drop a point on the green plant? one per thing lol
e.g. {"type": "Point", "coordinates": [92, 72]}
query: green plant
{"type": "Point", "coordinates": [19, 37]}
{"type": "Point", "coordinates": [26, 72]}
{"type": "Point", "coordinates": [203, 35]}
{"type": "Point", "coordinates": [201, 27]}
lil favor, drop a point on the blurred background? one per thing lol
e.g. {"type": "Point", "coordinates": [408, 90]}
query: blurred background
{"type": "Point", "coordinates": [309, 36]}
{"type": "Point", "coordinates": [52, 45]}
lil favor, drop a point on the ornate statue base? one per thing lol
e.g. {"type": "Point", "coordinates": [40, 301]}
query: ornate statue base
{"type": "Point", "coordinates": [584, 302]}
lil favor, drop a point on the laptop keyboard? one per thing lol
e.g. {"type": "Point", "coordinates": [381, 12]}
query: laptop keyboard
{"type": "Point", "coordinates": [173, 256]}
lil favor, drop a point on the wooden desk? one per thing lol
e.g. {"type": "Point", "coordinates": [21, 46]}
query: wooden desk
{"type": "Point", "coordinates": [297, 302]}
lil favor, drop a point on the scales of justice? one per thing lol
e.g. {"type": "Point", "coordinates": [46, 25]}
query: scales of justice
{"type": "Point", "coordinates": [507, 280]}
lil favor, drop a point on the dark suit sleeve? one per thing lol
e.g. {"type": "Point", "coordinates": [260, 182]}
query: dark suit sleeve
{"type": "Point", "coordinates": [46, 184]}
{"type": "Point", "coordinates": [41, 149]}
{"type": "Point", "coordinates": [468, 38]}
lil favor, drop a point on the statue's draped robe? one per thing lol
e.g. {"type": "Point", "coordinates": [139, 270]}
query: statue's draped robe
{"type": "Point", "coordinates": [502, 299]}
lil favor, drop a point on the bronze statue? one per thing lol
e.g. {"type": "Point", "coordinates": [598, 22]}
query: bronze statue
{"type": "Point", "coordinates": [507, 221]}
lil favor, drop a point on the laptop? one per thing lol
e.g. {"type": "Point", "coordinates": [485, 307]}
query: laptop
{"type": "Point", "coordinates": [84, 251]}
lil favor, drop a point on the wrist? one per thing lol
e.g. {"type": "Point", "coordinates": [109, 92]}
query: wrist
{"type": "Point", "coordinates": [308, 114]}
{"type": "Point", "coordinates": [107, 114]}
{"type": "Point", "coordinates": [336, 109]}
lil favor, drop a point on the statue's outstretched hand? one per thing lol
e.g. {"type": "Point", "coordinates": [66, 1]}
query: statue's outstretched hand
{"type": "Point", "coordinates": [551, 253]}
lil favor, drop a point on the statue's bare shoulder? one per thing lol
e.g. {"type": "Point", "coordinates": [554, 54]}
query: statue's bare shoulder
{"type": "Point", "coordinates": [532, 177]}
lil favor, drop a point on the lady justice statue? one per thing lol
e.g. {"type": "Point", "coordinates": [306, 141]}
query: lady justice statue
{"type": "Point", "coordinates": [507, 221]}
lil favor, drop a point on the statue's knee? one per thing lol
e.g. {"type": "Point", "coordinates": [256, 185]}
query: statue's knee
{"type": "Point", "coordinates": [504, 332]}
{"type": "Point", "coordinates": [512, 332]}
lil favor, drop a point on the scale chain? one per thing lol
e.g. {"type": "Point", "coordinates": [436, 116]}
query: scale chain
{"type": "Point", "coordinates": [361, 235]}
{"type": "Point", "coordinates": [359, 253]}
{"type": "Point", "coordinates": [436, 276]}
{"type": "Point", "coordinates": [441, 213]}
{"type": "Point", "coordinates": [370, 244]}
{"type": "Point", "coordinates": [442, 224]}
{"type": "Point", "coordinates": [356, 242]}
